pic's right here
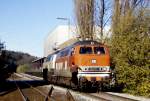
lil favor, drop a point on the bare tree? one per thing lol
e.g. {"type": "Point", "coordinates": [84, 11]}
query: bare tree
{"type": "Point", "coordinates": [84, 12]}
{"type": "Point", "coordinates": [116, 15]}
{"type": "Point", "coordinates": [124, 12]}
{"type": "Point", "coordinates": [102, 16]}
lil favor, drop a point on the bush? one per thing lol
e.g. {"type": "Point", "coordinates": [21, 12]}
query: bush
{"type": "Point", "coordinates": [144, 89]}
{"type": "Point", "coordinates": [23, 68]}
{"type": "Point", "coordinates": [130, 52]}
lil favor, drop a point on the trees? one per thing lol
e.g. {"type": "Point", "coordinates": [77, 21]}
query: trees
{"type": "Point", "coordinates": [84, 12]}
{"type": "Point", "coordinates": [102, 18]}
{"type": "Point", "coordinates": [130, 48]}
{"type": "Point", "coordinates": [23, 68]}
{"type": "Point", "coordinates": [7, 64]}
{"type": "Point", "coordinates": [130, 39]}
{"type": "Point", "coordinates": [91, 18]}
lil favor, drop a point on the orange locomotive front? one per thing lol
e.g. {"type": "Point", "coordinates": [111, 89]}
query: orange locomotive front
{"type": "Point", "coordinates": [94, 62]}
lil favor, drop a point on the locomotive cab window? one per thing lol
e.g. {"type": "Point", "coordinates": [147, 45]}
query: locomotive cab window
{"type": "Point", "coordinates": [99, 50]}
{"type": "Point", "coordinates": [85, 50]}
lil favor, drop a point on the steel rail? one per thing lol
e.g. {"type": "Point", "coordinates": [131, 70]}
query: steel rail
{"type": "Point", "coordinates": [74, 95]}
{"type": "Point", "coordinates": [37, 90]}
{"type": "Point", "coordinates": [117, 96]}
{"type": "Point", "coordinates": [68, 93]}
{"type": "Point", "coordinates": [101, 96]}
{"type": "Point", "coordinates": [24, 98]}
{"type": "Point", "coordinates": [69, 96]}
{"type": "Point", "coordinates": [47, 97]}
{"type": "Point", "coordinates": [49, 93]}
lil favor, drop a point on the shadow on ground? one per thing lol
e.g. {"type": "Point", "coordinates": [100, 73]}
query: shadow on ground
{"type": "Point", "coordinates": [117, 88]}
{"type": "Point", "coordinates": [7, 86]}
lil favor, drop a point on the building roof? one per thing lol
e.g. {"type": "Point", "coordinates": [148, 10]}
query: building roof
{"type": "Point", "coordinates": [39, 59]}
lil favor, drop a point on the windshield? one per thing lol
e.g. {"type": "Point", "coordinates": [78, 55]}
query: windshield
{"type": "Point", "coordinates": [85, 50]}
{"type": "Point", "coordinates": [99, 50]}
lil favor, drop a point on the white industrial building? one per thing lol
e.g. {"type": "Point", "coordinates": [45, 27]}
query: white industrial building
{"type": "Point", "coordinates": [58, 36]}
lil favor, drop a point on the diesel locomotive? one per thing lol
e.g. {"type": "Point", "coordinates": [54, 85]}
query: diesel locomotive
{"type": "Point", "coordinates": [91, 57]}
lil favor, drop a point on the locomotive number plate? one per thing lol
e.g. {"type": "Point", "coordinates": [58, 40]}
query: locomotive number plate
{"type": "Point", "coordinates": [93, 61]}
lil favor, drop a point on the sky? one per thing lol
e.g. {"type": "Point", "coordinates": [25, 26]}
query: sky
{"type": "Point", "coordinates": [24, 24]}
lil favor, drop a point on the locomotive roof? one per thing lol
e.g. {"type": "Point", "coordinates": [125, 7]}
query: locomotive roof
{"type": "Point", "coordinates": [87, 42]}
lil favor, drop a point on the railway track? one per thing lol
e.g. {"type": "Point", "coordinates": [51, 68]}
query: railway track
{"type": "Point", "coordinates": [29, 93]}
{"type": "Point", "coordinates": [71, 95]}
{"type": "Point", "coordinates": [21, 93]}
{"type": "Point", "coordinates": [111, 97]}
{"type": "Point", "coordinates": [102, 96]}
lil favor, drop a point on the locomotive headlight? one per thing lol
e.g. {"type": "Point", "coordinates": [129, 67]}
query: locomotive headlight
{"type": "Point", "coordinates": [108, 68]}
{"type": "Point", "coordinates": [105, 68]}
